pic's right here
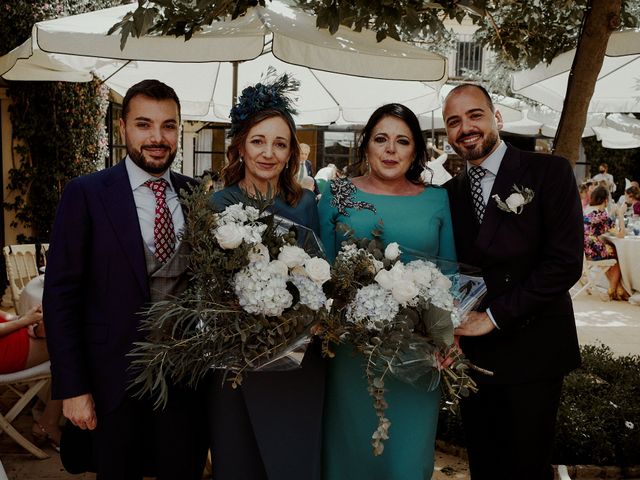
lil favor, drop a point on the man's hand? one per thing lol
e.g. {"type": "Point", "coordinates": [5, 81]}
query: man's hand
{"type": "Point", "coordinates": [474, 325]}
{"type": "Point", "coordinates": [81, 411]}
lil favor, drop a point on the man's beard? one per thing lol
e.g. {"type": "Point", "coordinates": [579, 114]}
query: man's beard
{"type": "Point", "coordinates": [138, 158]}
{"type": "Point", "coordinates": [489, 141]}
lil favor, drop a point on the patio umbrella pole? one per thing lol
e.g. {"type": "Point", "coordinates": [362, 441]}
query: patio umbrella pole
{"type": "Point", "coordinates": [234, 91]}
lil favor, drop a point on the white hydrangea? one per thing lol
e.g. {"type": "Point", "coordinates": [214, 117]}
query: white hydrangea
{"type": "Point", "coordinates": [238, 223]}
{"type": "Point", "coordinates": [371, 304]}
{"type": "Point", "coordinates": [311, 293]}
{"type": "Point", "coordinates": [262, 288]}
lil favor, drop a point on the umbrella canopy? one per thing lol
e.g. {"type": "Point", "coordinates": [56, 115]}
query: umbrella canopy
{"type": "Point", "coordinates": [343, 76]}
{"type": "Point", "coordinates": [617, 88]}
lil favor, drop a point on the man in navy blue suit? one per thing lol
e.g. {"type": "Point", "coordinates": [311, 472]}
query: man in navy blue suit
{"type": "Point", "coordinates": [115, 248]}
{"type": "Point", "coordinates": [530, 250]}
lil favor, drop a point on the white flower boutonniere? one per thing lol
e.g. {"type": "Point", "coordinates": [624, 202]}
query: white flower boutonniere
{"type": "Point", "coordinates": [516, 201]}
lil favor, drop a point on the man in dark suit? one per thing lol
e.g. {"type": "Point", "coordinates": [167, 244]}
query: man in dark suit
{"type": "Point", "coordinates": [530, 256]}
{"type": "Point", "coordinates": [115, 248]}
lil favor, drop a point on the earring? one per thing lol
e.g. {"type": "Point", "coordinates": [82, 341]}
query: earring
{"type": "Point", "coordinates": [241, 159]}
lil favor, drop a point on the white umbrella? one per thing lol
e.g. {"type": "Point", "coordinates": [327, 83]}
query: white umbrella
{"type": "Point", "coordinates": [331, 68]}
{"type": "Point", "coordinates": [617, 88]}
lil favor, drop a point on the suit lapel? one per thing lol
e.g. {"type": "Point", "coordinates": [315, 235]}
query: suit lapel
{"type": "Point", "coordinates": [508, 175]}
{"type": "Point", "coordinates": [120, 207]}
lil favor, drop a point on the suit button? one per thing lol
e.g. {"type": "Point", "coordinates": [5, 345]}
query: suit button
{"type": "Point", "coordinates": [507, 279]}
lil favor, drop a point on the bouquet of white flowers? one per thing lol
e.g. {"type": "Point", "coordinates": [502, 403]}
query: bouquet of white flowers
{"type": "Point", "coordinates": [252, 298]}
{"type": "Point", "coordinates": [401, 316]}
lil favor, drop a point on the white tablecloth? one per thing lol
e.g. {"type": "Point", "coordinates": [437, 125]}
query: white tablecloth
{"type": "Point", "coordinates": [628, 249]}
{"type": "Point", "coordinates": [32, 294]}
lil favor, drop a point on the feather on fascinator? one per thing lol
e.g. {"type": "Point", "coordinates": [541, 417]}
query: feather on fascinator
{"type": "Point", "coordinates": [272, 93]}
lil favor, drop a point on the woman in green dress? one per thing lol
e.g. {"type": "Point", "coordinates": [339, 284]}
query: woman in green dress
{"type": "Point", "coordinates": [392, 155]}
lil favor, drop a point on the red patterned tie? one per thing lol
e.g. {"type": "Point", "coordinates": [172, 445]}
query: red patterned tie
{"type": "Point", "coordinates": [164, 236]}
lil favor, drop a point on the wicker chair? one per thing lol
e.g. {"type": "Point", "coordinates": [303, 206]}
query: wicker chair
{"type": "Point", "coordinates": [21, 268]}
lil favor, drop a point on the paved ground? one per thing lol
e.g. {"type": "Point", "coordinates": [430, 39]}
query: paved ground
{"type": "Point", "coordinates": [616, 324]}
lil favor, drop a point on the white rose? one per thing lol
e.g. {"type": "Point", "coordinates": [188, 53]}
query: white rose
{"type": "Point", "coordinates": [229, 236]}
{"type": "Point", "coordinates": [292, 255]}
{"type": "Point", "coordinates": [404, 292]}
{"type": "Point", "coordinates": [318, 270]}
{"type": "Point", "coordinates": [259, 253]}
{"type": "Point", "coordinates": [384, 279]}
{"type": "Point", "coordinates": [279, 268]}
{"type": "Point", "coordinates": [443, 283]}
{"type": "Point", "coordinates": [392, 251]}
{"type": "Point", "coordinates": [514, 201]}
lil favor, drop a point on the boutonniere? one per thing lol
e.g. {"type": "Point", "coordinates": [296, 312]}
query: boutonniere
{"type": "Point", "coordinates": [516, 201]}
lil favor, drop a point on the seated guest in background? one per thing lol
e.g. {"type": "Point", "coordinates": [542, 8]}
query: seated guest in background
{"type": "Point", "coordinates": [22, 346]}
{"type": "Point", "coordinates": [597, 222]}
{"type": "Point", "coordinates": [583, 190]}
{"type": "Point", "coordinates": [632, 198]}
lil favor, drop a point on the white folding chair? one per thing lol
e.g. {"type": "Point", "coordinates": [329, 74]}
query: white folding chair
{"type": "Point", "coordinates": [21, 267]}
{"type": "Point", "coordinates": [25, 384]}
{"type": "Point", "coordinates": [592, 272]}
{"type": "Point", "coordinates": [3, 474]}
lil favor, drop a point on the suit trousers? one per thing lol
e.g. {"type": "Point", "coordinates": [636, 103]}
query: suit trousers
{"type": "Point", "coordinates": [135, 440]}
{"type": "Point", "coordinates": [510, 429]}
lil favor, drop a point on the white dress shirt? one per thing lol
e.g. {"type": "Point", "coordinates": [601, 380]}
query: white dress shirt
{"type": "Point", "coordinates": [145, 201]}
{"type": "Point", "coordinates": [491, 164]}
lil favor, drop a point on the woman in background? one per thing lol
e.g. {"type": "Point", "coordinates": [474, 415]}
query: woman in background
{"type": "Point", "coordinates": [23, 345]}
{"type": "Point", "coordinates": [597, 222]}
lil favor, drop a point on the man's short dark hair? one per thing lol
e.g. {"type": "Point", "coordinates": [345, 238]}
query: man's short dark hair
{"type": "Point", "coordinates": [479, 87]}
{"type": "Point", "coordinates": [149, 88]}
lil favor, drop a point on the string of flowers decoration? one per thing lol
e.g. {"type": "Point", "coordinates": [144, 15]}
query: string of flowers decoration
{"type": "Point", "coordinates": [252, 297]}
{"type": "Point", "coordinates": [516, 201]}
{"type": "Point", "coordinates": [400, 317]}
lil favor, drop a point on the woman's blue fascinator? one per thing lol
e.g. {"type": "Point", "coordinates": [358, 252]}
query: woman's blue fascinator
{"type": "Point", "coordinates": [272, 93]}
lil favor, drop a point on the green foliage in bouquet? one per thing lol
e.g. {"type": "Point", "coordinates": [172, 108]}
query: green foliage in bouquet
{"type": "Point", "coordinates": [206, 326]}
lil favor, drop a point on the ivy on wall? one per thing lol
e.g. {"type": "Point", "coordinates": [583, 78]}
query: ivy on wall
{"type": "Point", "coordinates": [59, 129]}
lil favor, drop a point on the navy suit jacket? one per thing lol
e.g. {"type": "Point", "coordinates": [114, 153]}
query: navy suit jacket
{"type": "Point", "coordinates": [529, 262]}
{"type": "Point", "coordinates": [96, 284]}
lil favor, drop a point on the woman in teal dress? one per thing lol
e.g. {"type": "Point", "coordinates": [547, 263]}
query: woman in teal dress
{"type": "Point", "coordinates": [269, 428]}
{"type": "Point", "coordinates": [417, 217]}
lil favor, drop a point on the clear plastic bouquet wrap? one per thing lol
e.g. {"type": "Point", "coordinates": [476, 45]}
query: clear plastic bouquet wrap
{"type": "Point", "coordinates": [255, 290]}
{"type": "Point", "coordinates": [398, 309]}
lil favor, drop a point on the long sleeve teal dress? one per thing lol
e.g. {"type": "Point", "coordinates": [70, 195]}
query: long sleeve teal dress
{"type": "Point", "coordinates": [421, 222]}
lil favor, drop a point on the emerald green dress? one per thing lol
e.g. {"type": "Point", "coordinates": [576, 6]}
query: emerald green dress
{"type": "Point", "coordinates": [421, 222]}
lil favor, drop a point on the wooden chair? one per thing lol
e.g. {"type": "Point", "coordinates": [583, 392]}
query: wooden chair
{"type": "Point", "coordinates": [21, 268]}
{"type": "Point", "coordinates": [25, 384]}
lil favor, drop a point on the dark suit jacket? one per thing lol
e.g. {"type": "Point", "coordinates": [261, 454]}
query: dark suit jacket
{"type": "Point", "coordinates": [529, 262]}
{"type": "Point", "coordinates": [95, 286]}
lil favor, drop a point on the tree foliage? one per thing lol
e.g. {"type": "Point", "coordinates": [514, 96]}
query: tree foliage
{"type": "Point", "coordinates": [521, 32]}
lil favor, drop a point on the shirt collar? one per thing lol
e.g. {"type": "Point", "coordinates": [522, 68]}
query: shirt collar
{"type": "Point", "coordinates": [138, 176]}
{"type": "Point", "coordinates": [493, 161]}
